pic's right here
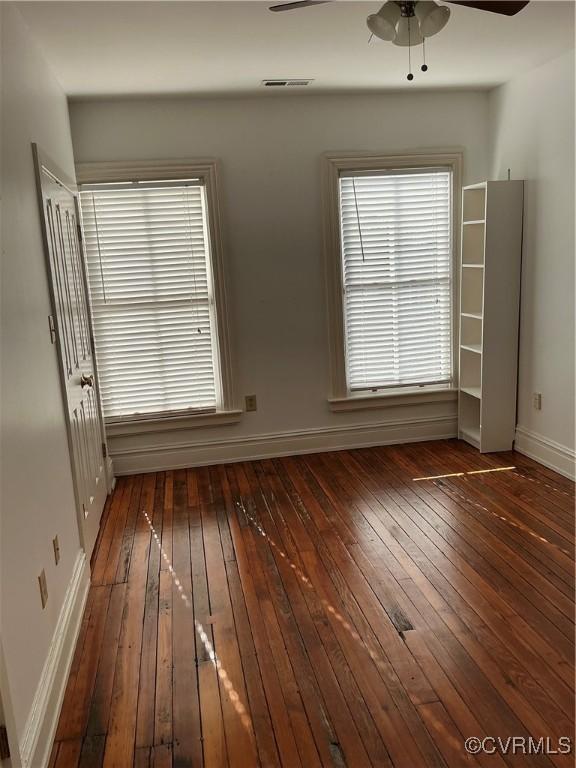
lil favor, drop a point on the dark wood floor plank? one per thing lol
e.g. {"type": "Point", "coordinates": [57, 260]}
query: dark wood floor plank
{"type": "Point", "coordinates": [69, 753]}
{"type": "Point", "coordinates": [148, 662]}
{"type": "Point", "coordinates": [321, 725]}
{"type": "Point", "coordinates": [461, 713]}
{"type": "Point", "coordinates": [124, 705]}
{"type": "Point", "coordinates": [343, 733]}
{"type": "Point", "coordinates": [142, 757]}
{"type": "Point", "coordinates": [387, 627]}
{"type": "Point", "coordinates": [67, 709]}
{"type": "Point", "coordinates": [238, 727]}
{"type": "Point", "coordinates": [451, 500]}
{"type": "Point", "coordinates": [502, 567]}
{"type": "Point", "coordinates": [473, 568]}
{"type": "Point", "coordinates": [292, 693]}
{"type": "Point", "coordinates": [128, 537]}
{"type": "Point", "coordinates": [446, 735]}
{"type": "Point", "coordinates": [287, 524]}
{"type": "Point", "coordinates": [279, 715]}
{"type": "Point", "coordinates": [493, 494]}
{"type": "Point", "coordinates": [92, 753]}
{"type": "Point", "coordinates": [163, 693]}
{"type": "Point", "coordinates": [553, 493]}
{"type": "Point", "coordinates": [115, 549]}
{"type": "Point", "coordinates": [210, 665]}
{"type": "Point", "coordinates": [434, 564]}
{"type": "Point", "coordinates": [106, 537]}
{"type": "Point", "coordinates": [100, 706]}
{"type": "Point", "coordinates": [431, 580]}
{"type": "Point", "coordinates": [186, 723]}
{"type": "Point", "coordinates": [167, 518]}
{"type": "Point", "coordinates": [327, 610]}
{"type": "Point", "coordinates": [385, 697]}
{"type": "Point", "coordinates": [513, 609]}
{"type": "Point", "coordinates": [258, 708]}
{"type": "Point", "coordinates": [163, 709]}
{"type": "Point", "coordinates": [86, 675]}
{"type": "Point", "coordinates": [162, 756]}
{"type": "Point", "coordinates": [520, 541]}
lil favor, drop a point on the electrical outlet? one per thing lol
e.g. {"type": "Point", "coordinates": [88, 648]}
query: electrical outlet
{"type": "Point", "coordinates": [56, 546]}
{"type": "Point", "coordinates": [537, 401]}
{"type": "Point", "coordinates": [43, 589]}
{"type": "Point", "coordinates": [250, 402]}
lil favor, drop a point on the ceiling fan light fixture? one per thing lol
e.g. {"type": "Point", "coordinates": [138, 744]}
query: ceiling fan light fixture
{"type": "Point", "coordinates": [383, 23]}
{"type": "Point", "coordinates": [431, 17]}
{"type": "Point", "coordinates": [408, 32]}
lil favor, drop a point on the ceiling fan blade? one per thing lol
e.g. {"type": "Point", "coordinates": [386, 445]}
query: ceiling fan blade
{"type": "Point", "coordinates": [297, 4]}
{"type": "Point", "coordinates": [506, 7]}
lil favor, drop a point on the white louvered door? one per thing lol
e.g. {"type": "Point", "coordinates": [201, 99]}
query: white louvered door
{"type": "Point", "coordinates": [73, 338]}
{"type": "Point", "coordinates": [397, 277]}
{"type": "Point", "coordinates": [151, 289]}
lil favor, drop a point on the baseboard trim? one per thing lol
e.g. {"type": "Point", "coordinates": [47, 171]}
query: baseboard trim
{"type": "Point", "coordinates": [159, 457]}
{"type": "Point", "coordinates": [41, 725]}
{"type": "Point", "coordinates": [545, 451]}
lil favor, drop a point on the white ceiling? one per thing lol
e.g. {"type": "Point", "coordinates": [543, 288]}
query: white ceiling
{"type": "Point", "coordinates": [112, 48]}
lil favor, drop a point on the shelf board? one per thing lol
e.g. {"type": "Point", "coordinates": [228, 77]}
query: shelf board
{"type": "Point", "coordinates": [475, 315]}
{"type": "Point", "coordinates": [474, 221]}
{"type": "Point", "coordinates": [471, 435]}
{"type": "Point", "coordinates": [473, 266]}
{"type": "Point", "coordinates": [480, 185]}
{"type": "Point", "coordinates": [472, 391]}
{"type": "Point", "coordinates": [472, 348]}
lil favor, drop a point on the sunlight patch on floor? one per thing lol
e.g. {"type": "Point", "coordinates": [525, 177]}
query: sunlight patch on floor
{"type": "Point", "coordinates": [463, 474]}
{"type": "Point", "coordinates": [221, 672]}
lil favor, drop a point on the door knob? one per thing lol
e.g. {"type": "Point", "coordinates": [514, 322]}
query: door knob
{"type": "Point", "coordinates": [86, 381]}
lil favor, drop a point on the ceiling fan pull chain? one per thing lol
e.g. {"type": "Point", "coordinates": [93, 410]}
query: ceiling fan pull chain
{"type": "Point", "coordinates": [410, 75]}
{"type": "Point", "coordinates": [424, 66]}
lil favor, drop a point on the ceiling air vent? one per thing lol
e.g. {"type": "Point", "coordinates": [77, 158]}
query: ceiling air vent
{"type": "Point", "coordinates": [286, 83]}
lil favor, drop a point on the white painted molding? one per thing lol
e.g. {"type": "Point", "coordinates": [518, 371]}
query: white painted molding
{"type": "Point", "coordinates": [111, 478]}
{"type": "Point", "coordinates": [155, 458]}
{"type": "Point", "coordinates": [168, 423]}
{"type": "Point", "coordinates": [547, 452]}
{"type": "Point", "coordinates": [332, 165]}
{"type": "Point", "coordinates": [7, 714]}
{"type": "Point", "coordinates": [209, 171]}
{"type": "Point", "coordinates": [41, 725]}
{"type": "Point", "coordinates": [392, 399]}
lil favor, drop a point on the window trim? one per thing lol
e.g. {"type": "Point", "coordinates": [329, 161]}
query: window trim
{"type": "Point", "coordinates": [340, 398]}
{"type": "Point", "coordinates": [208, 171]}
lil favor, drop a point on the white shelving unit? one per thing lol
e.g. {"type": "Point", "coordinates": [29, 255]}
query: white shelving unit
{"type": "Point", "coordinates": [489, 313]}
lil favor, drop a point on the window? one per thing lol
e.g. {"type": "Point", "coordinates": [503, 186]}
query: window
{"type": "Point", "coordinates": [394, 250]}
{"type": "Point", "coordinates": [150, 267]}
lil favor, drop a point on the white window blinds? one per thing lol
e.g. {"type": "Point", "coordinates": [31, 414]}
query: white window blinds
{"type": "Point", "coordinates": [396, 262]}
{"type": "Point", "coordinates": [148, 258]}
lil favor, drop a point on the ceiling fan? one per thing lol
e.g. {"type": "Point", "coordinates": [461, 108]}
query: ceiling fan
{"type": "Point", "coordinates": [410, 22]}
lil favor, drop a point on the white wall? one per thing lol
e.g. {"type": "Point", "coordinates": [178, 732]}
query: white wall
{"type": "Point", "coordinates": [37, 501]}
{"type": "Point", "coordinates": [532, 133]}
{"type": "Point", "coordinates": [270, 150]}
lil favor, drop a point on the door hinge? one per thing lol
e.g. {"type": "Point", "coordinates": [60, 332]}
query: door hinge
{"type": "Point", "coordinates": [4, 746]}
{"type": "Point", "coordinates": [52, 328]}
{"type": "Point", "coordinates": [104, 450]}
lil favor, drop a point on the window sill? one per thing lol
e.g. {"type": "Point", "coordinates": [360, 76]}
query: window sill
{"type": "Point", "coordinates": [169, 423]}
{"type": "Point", "coordinates": [416, 396]}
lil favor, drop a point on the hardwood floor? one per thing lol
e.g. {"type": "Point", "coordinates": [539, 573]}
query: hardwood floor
{"type": "Point", "coordinates": [364, 608]}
